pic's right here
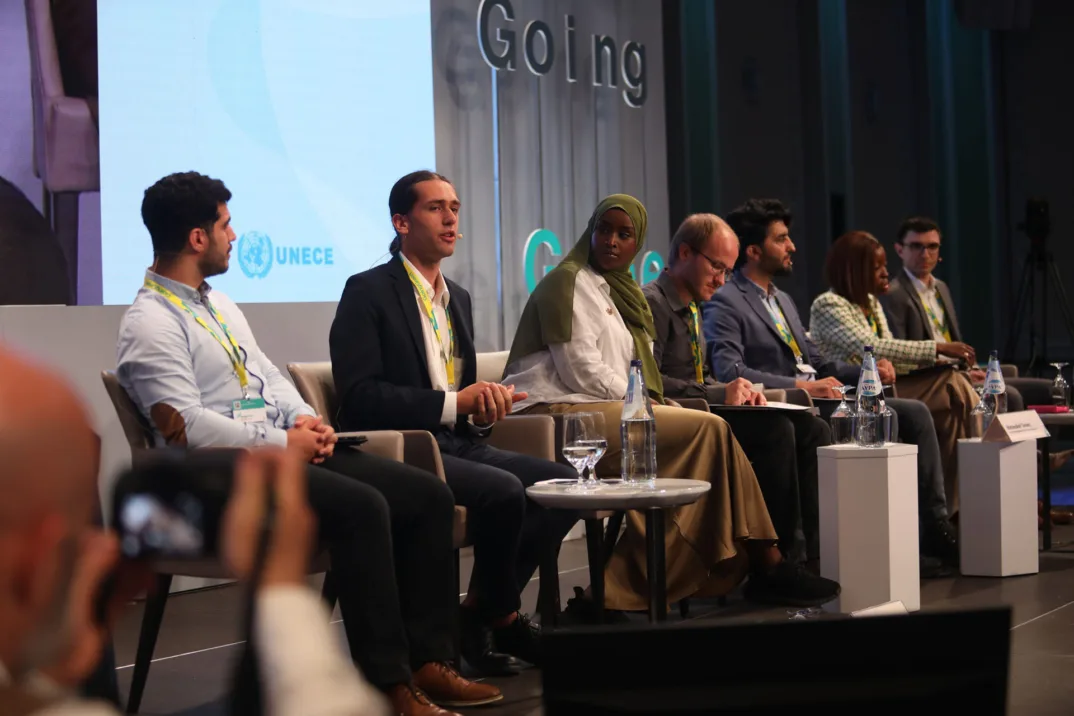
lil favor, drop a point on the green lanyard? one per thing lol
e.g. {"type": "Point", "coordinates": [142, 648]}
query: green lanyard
{"type": "Point", "coordinates": [427, 304]}
{"type": "Point", "coordinates": [941, 325]}
{"type": "Point", "coordinates": [874, 324]}
{"type": "Point", "coordinates": [695, 342]}
{"type": "Point", "coordinates": [230, 345]}
{"type": "Point", "coordinates": [781, 325]}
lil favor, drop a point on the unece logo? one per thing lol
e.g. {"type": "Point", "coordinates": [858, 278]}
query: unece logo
{"type": "Point", "coordinates": [256, 255]}
{"type": "Point", "coordinates": [651, 262]}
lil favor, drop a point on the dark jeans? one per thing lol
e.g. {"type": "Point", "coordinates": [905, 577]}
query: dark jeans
{"type": "Point", "coordinates": [388, 529]}
{"type": "Point", "coordinates": [783, 449]}
{"type": "Point", "coordinates": [509, 532]}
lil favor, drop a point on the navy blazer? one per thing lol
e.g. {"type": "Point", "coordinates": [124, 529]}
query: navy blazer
{"type": "Point", "coordinates": [743, 341]}
{"type": "Point", "coordinates": [378, 353]}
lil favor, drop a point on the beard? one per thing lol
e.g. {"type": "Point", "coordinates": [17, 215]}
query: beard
{"type": "Point", "coordinates": [52, 639]}
{"type": "Point", "coordinates": [214, 264]}
{"type": "Point", "coordinates": [774, 266]}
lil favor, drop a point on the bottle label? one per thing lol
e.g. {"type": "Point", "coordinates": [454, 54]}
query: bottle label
{"type": "Point", "coordinates": [869, 385]}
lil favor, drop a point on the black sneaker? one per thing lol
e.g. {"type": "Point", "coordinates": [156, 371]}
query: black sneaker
{"type": "Point", "coordinates": [789, 584]}
{"type": "Point", "coordinates": [582, 610]}
{"type": "Point", "coordinates": [939, 538]}
{"type": "Point", "coordinates": [933, 567]}
{"type": "Point", "coordinates": [520, 639]}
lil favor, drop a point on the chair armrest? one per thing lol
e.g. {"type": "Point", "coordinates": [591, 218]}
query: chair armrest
{"type": "Point", "coordinates": [797, 396]}
{"type": "Point", "coordinates": [1009, 370]}
{"type": "Point", "coordinates": [693, 404]}
{"type": "Point", "coordinates": [384, 443]}
{"type": "Point", "coordinates": [420, 450]}
{"type": "Point", "coordinates": [533, 435]}
{"type": "Point", "coordinates": [777, 395]}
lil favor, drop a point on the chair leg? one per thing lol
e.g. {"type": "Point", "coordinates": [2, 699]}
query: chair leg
{"type": "Point", "coordinates": [548, 584]}
{"type": "Point", "coordinates": [684, 608]}
{"type": "Point", "coordinates": [329, 591]}
{"type": "Point", "coordinates": [65, 226]}
{"type": "Point", "coordinates": [458, 629]}
{"type": "Point", "coordinates": [594, 540]}
{"type": "Point", "coordinates": [147, 640]}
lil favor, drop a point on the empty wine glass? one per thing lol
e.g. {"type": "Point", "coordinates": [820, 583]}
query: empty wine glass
{"type": "Point", "coordinates": [583, 444]}
{"type": "Point", "coordinates": [842, 418]}
{"type": "Point", "coordinates": [981, 413]}
{"type": "Point", "coordinates": [1060, 388]}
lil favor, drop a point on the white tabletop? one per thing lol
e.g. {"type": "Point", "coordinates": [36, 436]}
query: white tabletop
{"type": "Point", "coordinates": [614, 495]}
{"type": "Point", "coordinates": [850, 451]}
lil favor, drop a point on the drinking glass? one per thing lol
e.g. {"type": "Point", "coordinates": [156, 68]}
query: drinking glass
{"type": "Point", "coordinates": [583, 445]}
{"type": "Point", "coordinates": [842, 418]}
{"type": "Point", "coordinates": [888, 425]}
{"type": "Point", "coordinates": [981, 413]}
{"type": "Point", "coordinates": [1060, 388]}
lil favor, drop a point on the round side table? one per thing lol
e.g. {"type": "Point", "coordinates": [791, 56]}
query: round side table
{"type": "Point", "coordinates": [665, 494]}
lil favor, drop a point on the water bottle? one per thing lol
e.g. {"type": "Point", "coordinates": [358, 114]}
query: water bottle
{"type": "Point", "coordinates": [638, 432]}
{"type": "Point", "coordinates": [994, 396]}
{"type": "Point", "coordinates": [870, 403]}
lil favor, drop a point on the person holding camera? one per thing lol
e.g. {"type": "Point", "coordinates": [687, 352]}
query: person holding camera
{"type": "Point", "coordinates": [189, 360]}
{"type": "Point", "coordinates": [54, 563]}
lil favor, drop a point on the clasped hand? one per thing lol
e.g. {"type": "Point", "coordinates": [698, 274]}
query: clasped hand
{"type": "Point", "coordinates": [312, 438]}
{"type": "Point", "coordinates": [487, 402]}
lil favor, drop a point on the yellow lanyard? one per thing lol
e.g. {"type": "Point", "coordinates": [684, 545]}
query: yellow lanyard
{"type": "Point", "coordinates": [874, 324]}
{"type": "Point", "coordinates": [942, 326]}
{"type": "Point", "coordinates": [781, 326]}
{"type": "Point", "coordinates": [695, 342]}
{"type": "Point", "coordinates": [427, 303]}
{"type": "Point", "coordinates": [231, 346]}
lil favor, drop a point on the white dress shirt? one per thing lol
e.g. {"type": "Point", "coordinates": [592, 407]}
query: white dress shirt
{"type": "Point", "coordinates": [435, 349]}
{"type": "Point", "coordinates": [304, 669]}
{"type": "Point", "coordinates": [930, 297]}
{"type": "Point", "coordinates": [593, 366]}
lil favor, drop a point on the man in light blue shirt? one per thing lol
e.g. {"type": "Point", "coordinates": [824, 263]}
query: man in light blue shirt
{"type": "Point", "coordinates": [190, 362]}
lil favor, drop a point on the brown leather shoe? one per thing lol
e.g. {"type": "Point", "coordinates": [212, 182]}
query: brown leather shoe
{"type": "Point", "coordinates": [447, 687]}
{"type": "Point", "coordinates": [411, 701]}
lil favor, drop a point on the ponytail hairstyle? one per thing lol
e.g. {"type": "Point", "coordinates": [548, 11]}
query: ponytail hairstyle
{"type": "Point", "coordinates": [403, 197]}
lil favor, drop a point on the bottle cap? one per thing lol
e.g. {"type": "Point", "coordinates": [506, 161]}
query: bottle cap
{"type": "Point", "coordinates": [868, 349]}
{"type": "Point", "coordinates": [636, 363]}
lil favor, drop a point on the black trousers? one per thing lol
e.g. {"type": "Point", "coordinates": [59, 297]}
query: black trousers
{"type": "Point", "coordinates": [782, 446]}
{"type": "Point", "coordinates": [388, 529]}
{"type": "Point", "coordinates": [509, 531]}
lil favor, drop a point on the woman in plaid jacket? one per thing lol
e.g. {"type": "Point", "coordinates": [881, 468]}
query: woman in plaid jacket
{"type": "Point", "coordinates": [848, 317]}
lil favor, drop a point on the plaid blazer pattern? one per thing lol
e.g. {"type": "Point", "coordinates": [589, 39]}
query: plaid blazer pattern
{"type": "Point", "coordinates": [841, 330]}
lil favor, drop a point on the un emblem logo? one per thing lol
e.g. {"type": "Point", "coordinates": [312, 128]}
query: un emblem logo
{"type": "Point", "coordinates": [255, 254]}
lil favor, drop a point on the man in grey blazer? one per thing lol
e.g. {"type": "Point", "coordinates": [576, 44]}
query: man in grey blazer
{"type": "Point", "coordinates": [920, 308]}
{"type": "Point", "coordinates": [753, 331]}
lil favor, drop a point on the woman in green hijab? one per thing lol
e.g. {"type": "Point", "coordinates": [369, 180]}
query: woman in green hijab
{"type": "Point", "coordinates": [583, 324]}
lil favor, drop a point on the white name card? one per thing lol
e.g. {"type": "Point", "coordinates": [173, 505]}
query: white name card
{"type": "Point", "coordinates": [886, 609]}
{"type": "Point", "coordinates": [1015, 427]}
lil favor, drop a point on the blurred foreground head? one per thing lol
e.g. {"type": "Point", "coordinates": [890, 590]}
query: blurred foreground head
{"type": "Point", "coordinates": [49, 458]}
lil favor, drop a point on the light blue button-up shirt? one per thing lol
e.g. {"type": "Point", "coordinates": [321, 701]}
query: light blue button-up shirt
{"type": "Point", "coordinates": [171, 366]}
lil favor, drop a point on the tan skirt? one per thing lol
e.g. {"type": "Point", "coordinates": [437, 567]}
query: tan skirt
{"type": "Point", "coordinates": [701, 539]}
{"type": "Point", "coordinates": [950, 398]}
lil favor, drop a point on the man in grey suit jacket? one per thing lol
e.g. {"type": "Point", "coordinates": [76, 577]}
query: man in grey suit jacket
{"type": "Point", "coordinates": [753, 331]}
{"type": "Point", "coordinates": [920, 308]}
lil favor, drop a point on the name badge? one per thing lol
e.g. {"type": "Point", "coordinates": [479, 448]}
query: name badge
{"type": "Point", "coordinates": [806, 369]}
{"type": "Point", "coordinates": [249, 410]}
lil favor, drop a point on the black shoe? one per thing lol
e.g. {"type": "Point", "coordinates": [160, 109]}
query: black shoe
{"type": "Point", "coordinates": [520, 639]}
{"type": "Point", "coordinates": [477, 649]}
{"type": "Point", "coordinates": [933, 568]}
{"type": "Point", "coordinates": [582, 610]}
{"type": "Point", "coordinates": [791, 585]}
{"type": "Point", "coordinates": [939, 538]}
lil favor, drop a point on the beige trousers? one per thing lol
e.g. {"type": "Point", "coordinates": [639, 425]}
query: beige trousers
{"type": "Point", "coordinates": [701, 539]}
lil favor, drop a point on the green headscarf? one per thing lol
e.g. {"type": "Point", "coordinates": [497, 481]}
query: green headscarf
{"type": "Point", "coordinates": [550, 309]}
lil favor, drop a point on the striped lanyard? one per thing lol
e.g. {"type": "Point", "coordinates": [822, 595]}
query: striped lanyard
{"type": "Point", "coordinates": [447, 355]}
{"type": "Point", "coordinates": [940, 325]}
{"type": "Point", "coordinates": [781, 325]}
{"type": "Point", "coordinates": [231, 346]}
{"type": "Point", "coordinates": [695, 342]}
{"type": "Point", "coordinates": [874, 324]}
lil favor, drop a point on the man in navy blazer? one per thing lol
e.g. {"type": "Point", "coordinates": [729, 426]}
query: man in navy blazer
{"type": "Point", "coordinates": [753, 331]}
{"type": "Point", "coordinates": [403, 358]}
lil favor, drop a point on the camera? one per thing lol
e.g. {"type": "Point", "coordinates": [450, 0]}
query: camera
{"type": "Point", "coordinates": [1038, 221]}
{"type": "Point", "coordinates": [169, 505]}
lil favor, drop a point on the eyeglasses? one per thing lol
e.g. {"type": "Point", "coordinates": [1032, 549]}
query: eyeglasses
{"type": "Point", "coordinates": [917, 247]}
{"type": "Point", "coordinates": [715, 265]}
